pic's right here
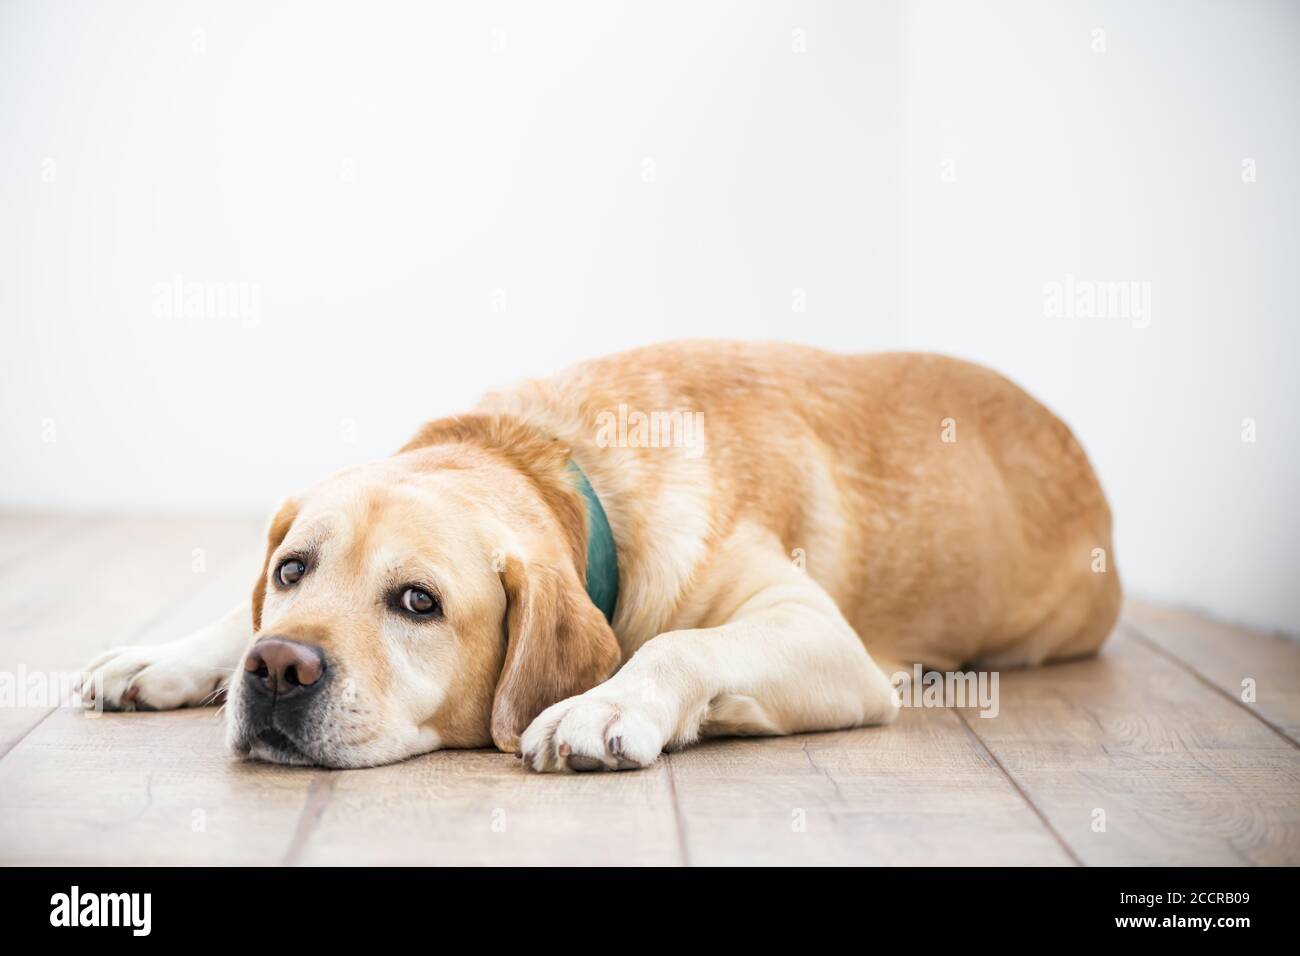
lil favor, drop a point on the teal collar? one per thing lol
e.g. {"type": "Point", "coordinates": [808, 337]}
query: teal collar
{"type": "Point", "coordinates": [602, 559]}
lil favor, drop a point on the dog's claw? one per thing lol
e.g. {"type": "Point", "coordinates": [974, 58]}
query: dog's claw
{"type": "Point", "coordinates": [588, 733]}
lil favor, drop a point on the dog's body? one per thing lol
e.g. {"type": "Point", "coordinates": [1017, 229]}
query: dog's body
{"type": "Point", "coordinates": [791, 526]}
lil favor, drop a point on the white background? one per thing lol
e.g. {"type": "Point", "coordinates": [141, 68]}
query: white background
{"type": "Point", "coordinates": [434, 201]}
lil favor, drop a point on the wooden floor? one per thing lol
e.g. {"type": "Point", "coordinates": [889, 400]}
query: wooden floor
{"type": "Point", "coordinates": [1146, 755]}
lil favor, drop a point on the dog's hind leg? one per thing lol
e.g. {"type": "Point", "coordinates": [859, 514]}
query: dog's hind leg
{"type": "Point", "coordinates": [189, 672]}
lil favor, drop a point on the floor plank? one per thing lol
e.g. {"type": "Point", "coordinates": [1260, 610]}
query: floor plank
{"type": "Point", "coordinates": [920, 791]}
{"type": "Point", "coordinates": [134, 788]}
{"type": "Point", "coordinates": [24, 535]}
{"type": "Point", "coordinates": [100, 586]}
{"type": "Point", "coordinates": [1154, 733]}
{"type": "Point", "coordinates": [142, 789]}
{"type": "Point", "coordinates": [1228, 657]}
{"type": "Point", "coordinates": [1182, 775]}
{"type": "Point", "coordinates": [111, 582]}
{"type": "Point", "coordinates": [481, 808]}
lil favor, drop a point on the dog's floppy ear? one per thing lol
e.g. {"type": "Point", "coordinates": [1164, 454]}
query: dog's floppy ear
{"type": "Point", "coordinates": [558, 645]}
{"type": "Point", "coordinates": [280, 524]}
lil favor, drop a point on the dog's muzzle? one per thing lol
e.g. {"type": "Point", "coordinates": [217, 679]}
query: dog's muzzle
{"type": "Point", "coordinates": [282, 683]}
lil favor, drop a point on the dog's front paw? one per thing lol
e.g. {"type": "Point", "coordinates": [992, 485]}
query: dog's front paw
{"type": "Point", "coordinates": [591, 732]}
{"type": "Point", "coordinates": [150, 677]}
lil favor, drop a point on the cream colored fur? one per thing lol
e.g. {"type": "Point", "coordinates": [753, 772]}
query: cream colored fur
{"type": "Point", "coordinates": [834, 519]}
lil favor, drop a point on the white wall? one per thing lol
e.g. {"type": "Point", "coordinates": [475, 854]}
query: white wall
{"type": "Point", "coordinates": [430, 202]}
{"type": "Point", "coordinates": [1127, 165]}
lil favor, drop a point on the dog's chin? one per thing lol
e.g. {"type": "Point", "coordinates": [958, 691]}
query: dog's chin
{"type": "Point", "coordinates": [272, 745]}
{"type": "Point", "coordinates": [320, 743]}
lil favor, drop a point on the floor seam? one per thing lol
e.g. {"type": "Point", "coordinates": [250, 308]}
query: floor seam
{"type": "Point", "coordinates": [26, 733]}
{"type": "Point", "coordinates": [682, 848]}
{"type": "Point", "coordinates": [825, 774]}
{"type": "Point", "coordinates": [1024, 794]}
{"type": "Point", "coordinates": [313, 808]}
{"type": "Point", "coordinates": [1173, 658]}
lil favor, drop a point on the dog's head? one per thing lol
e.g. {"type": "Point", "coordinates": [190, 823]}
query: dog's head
{"type": "Point", "coordinates": [433, 599]}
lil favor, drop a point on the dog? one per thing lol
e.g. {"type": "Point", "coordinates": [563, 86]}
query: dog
{"type": "Point", "coordinates": [680, 541]}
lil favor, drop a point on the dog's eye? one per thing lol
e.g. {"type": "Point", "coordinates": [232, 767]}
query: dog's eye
{"type": "Point", "coordinates": [291, 571]}
{"type": "Point", "coordinates": [419, 601]}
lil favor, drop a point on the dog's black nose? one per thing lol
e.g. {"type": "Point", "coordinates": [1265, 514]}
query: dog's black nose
{"type": "Point", "coordinates": [284, 668]}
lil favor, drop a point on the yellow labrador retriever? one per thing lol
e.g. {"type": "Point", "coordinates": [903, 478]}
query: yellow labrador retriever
{"type": "Point", "coordinates": [683, 540]}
